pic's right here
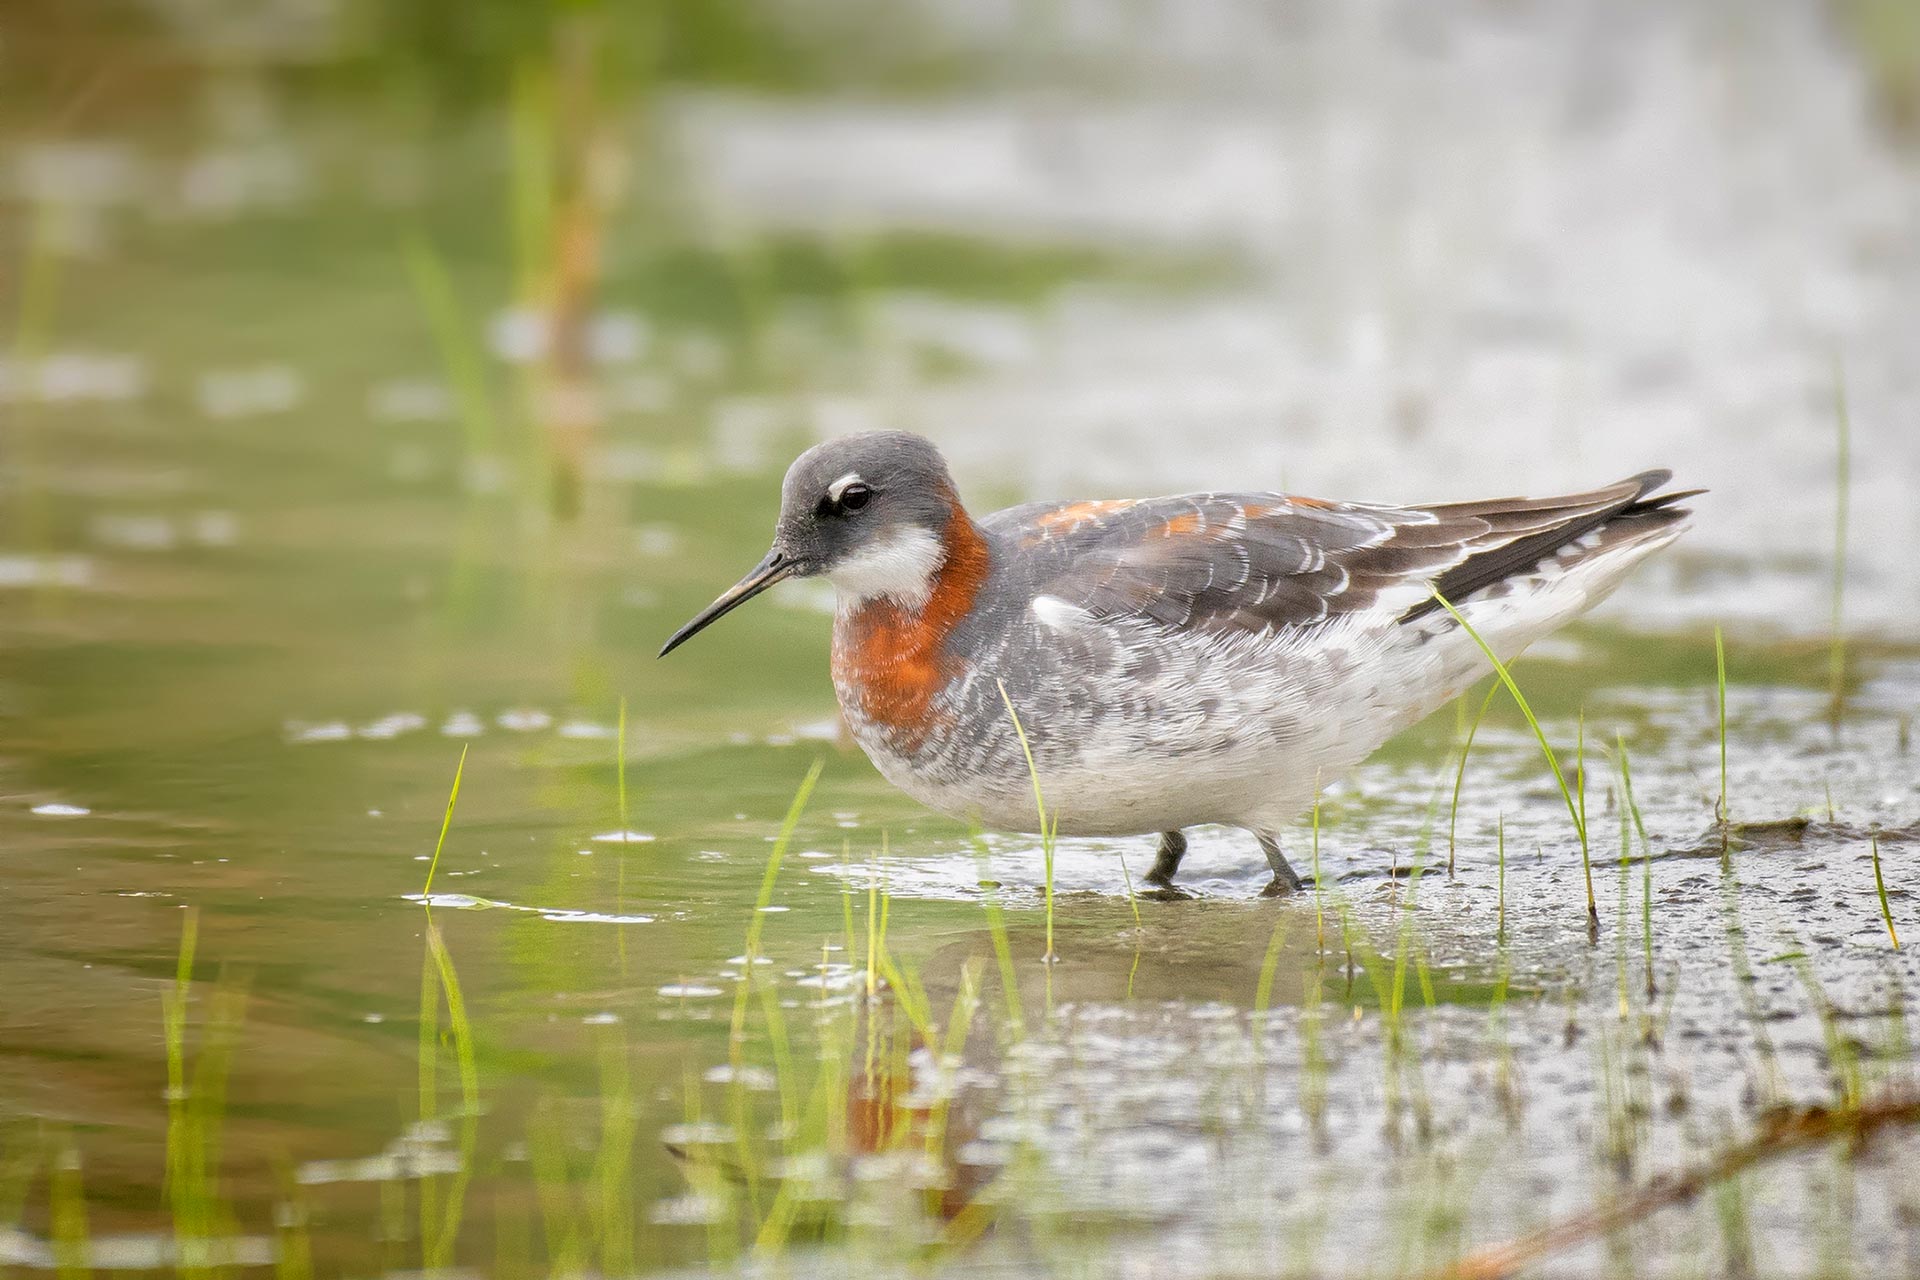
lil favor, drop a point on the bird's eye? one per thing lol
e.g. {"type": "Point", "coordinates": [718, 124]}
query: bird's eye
{"type": "Point", "coordinates": [854, 497]}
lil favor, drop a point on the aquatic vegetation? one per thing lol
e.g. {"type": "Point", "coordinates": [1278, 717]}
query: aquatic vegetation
{"type": "Point", "coordinates": [997, 932]}
{"type": "Point", "coordinates": [1460, 773]}
{"type": "Point", "coordinates": [756, 923]}
{"type": "Point", "coordinates": [67, 1204]}
{"type": "Point", "coordinates": [440, 1226]}
{"type": "Point", "coordinates": [1048, 829]}
{"type": "Point", "coordinates": [196, 1105]}
{"type": "Point", "coordinates": [446, 822]}
{"type": "Point", "coordinates": [1880, 889]}
{"type": "Point", "coordinates": [1646, 859]}
{"type": "Point", "coordinates": [1263, 993]}
{"type": "Point", "coordinates": [1575, 811]}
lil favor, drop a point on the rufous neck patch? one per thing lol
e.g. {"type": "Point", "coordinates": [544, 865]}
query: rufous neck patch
{"type": "Point", "coordinates": [891, 658]}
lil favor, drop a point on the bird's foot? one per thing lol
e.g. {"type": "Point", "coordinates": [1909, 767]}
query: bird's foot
{"type": "Point", "coordinates": [1166, 862]}
{"type": "Point", "coordinates": [1285, 879]}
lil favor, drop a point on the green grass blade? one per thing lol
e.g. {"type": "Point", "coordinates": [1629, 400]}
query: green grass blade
{"type": "Point", "coordinates": [1880, 886]}
{"type": "Point", "coordinates": [765, 897]}
{"type": "Point", "coordinates": [1553, 762]}
{"type": "Point", "coordinates": [1133, 903]}
{"type": "Point", "coordinates": [1026, 749]}
{"type": "Point", "coordinates": [1049, 831]}
{"type": "Point", "coordinates": [173, 1015]}
{"type": "Point", "coordinates": [780, 842]}
{"type": "Point", "coordinates": [1460, 774]}
{"type": "Point", "coordinates": [445, 822]}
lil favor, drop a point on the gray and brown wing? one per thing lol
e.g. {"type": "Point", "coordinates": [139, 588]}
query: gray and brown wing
{"type": "Point", "coordinates": [1221, 562]}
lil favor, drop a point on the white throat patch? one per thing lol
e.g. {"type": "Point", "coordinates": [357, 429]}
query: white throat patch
{"type": "Point", "coordinates": [900, 568]}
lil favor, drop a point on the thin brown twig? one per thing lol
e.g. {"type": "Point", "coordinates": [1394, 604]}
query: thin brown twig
{"type": "Point", "coordinates": [1782, 1132]}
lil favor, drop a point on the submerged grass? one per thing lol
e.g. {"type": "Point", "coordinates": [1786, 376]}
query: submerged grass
{"type": "Point", "coordinates": [1843, 1063]}
{"type": "Point", "coordinates": [427, 1083]}
{"type": "Point", "coordinates": [1769, 1085]}
{"type": "Point", "coordinates": [613, 1164]}
{"type": "Point", "coordinates": [196, 1114]}
{"type": "Point", "coordinates": [1002, 943]}
{"type": "Point", "coordinates": [768, 878]}
{"type": "Point", "coordinates": [1314, 1066]}
{"type": "Point", "coordinates": [440, 1221]}
{"type": "Point", "coordinates": [438, 1237]}
{"type": "Point", "coordinates": [67, 1210]}
{"type": "Point", "coordinates": [1269, 967]}
{"type": "Point", "coordinates": [1646, 860]}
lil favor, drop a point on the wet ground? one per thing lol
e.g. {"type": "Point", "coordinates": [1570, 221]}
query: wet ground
{"type": "Point", "coordinates": [266, 572]}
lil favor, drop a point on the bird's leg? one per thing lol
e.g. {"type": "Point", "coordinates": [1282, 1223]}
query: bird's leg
{"type": "Point", "coordinates": [1173, 847]}
{"type": "Point", "coordinates": [1284, 879]}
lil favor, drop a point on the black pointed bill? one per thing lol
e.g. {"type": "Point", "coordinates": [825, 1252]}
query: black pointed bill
{"type": "Point", "coordinates": [773, 568]}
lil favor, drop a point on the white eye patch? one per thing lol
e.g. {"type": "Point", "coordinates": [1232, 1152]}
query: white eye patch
{"type": "Point", "coordinates": [839, 487]}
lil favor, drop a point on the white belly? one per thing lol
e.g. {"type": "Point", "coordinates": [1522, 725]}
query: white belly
{"type": "Point", "coordinates": [1245, 747]}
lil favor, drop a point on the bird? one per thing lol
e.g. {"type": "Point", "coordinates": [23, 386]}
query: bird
{"type": "Point", "coordinates": [1168, 662]}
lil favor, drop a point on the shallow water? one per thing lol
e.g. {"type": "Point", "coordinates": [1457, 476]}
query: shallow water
{"type": "Point", "coordinates": [264, 577]}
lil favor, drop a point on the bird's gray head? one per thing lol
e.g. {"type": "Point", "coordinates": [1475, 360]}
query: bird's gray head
{"type": "Point", "coordinates": [870, 512]}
